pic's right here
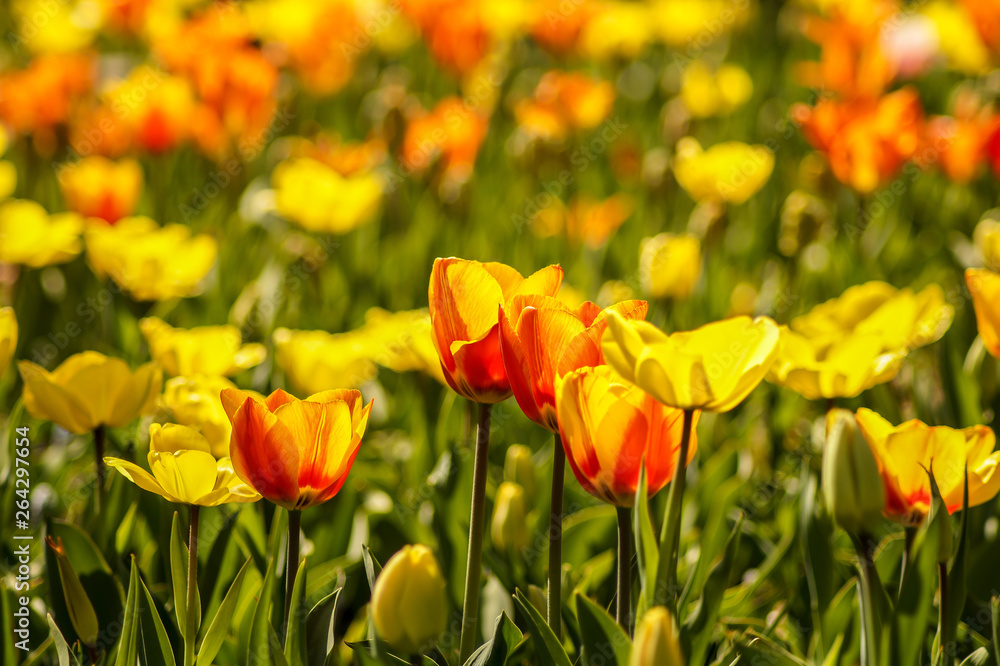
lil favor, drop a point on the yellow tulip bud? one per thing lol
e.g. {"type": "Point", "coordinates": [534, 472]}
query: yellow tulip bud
{"type": "Point", "coordinates": [657, 640]}
{"type": "Point", "coordinates": [852, 486]}
{"type": "Point", "coordinates": [409, 607]}
{"type": "Point", "coordinates": [519, 468]}
{"type": "Point", "coordinates": [510, 512]}
{"type": "Point", "coordinates": [81, 611]}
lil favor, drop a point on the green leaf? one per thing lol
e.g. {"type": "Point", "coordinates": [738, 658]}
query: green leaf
{"type": "Point", "coordinates": [258, 650]}
{"type": "Point", "coordinates": [178, 576]}
{"type": "Point", "coordinates": [123, 535]}
{"type": "Point", "coordinates": [66, 656]}
{"type": "Point", "coordinates": [602, 637]}
{"type": "Point", "coordinates": [981, 657]}
{"type": "Point", "coordinates": [995, 616]}
{"type": "Point", "coordinates": [320, 639]}
{"type": "Point", "coordinates": [957, 566]}
{"type": "Point", "coordinates": [219, 627]}
{"type": "Point", "coordinates": [274, 647]}
{"type": "Point", "coordinates": [548, 649]}
{"type": "Point", "coordinates": [647, 548]}
{"type": "Point", "coordinates": [127, 648]}
{"type": "Point", "coordinates": [372, 567]}
{"type": "Point", "coordinates": [153, 645]}
{"type": "Point", "coordinates": [761, 650]}
{"type": "Point", "coordinates": [295, 638]}
{"type": "Point", "coordinates": [696, 633]}
{"type": "Point", "coordinates": [496, 651]}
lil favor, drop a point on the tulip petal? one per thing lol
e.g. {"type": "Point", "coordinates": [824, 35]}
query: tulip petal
{"type": "Point", "coordinates": [141, 478]}
{"type": "Point", "coordinates": [463, 299]}
{"type": "Point", "coordinates": [187, 475]}
{"type": "Point", "coordinates": [47, 400]}
{"type": "Point", "coordinates": [323, 434]}
{"type": "Point", "coordinates": [138, 396]}
{"type": "Point", "coordinates": [480, 375]}
{"type": "Point", "coordinates": [264, 454]}
{"type": "Point", "coordinates": [233, 398]}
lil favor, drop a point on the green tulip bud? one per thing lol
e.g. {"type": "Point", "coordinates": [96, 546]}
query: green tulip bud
{"type": "Point", "coordinates": [81, 611]}
{"type": "Point", "coordinates": [657, 640]}
{"type": "Point", "coordinates": [519, 468]}
{"type": "Point", "coordinates": [510, 511]}
{"type": "Point", "coordinates": [852, 485]}
{"type": "Point", "coordinates": [409, 606]}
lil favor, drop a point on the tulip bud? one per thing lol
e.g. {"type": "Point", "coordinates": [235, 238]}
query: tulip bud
{"type": "Point", "coordinates": [657, 640]}
{"type": "Point", "coordinates": [510, 512]}
{"type": "Point", "coordinates": [81, 611]}
{"type": "Point", "coordinates": [852, 486]}
{"type": "Point", "coordinates": [409, 607]}
{"type": "Point", "coordinates": [669, 265]}
{"type": "Point", "coordinates": [519, 468]}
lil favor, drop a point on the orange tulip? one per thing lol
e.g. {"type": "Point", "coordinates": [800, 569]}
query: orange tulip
{"type": "Point", "coordinates": [452, 133]}
{"type": "Point", "coordinates": [465, 297]}
{"type": "Point", "coordinates": [610, 429]}
{"type": "Point", "coordinates": [541, 339]}
{"type": "Point", "coordinates": [296, 453]}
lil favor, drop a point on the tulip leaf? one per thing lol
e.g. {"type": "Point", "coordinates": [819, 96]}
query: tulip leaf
{"type": "Point", "coordinates": [496, 651]}
{"type": "Point", "coordinates": [153, 645]}
{"type": "Point", "coordinates": [696, 633]}
{"type": "Point", "coordinates": [257, 647]}
{"type": "Point", "coordinates": [274, 647]}
{"type": "Point", "coordinates": [295, 637]}
{"type": "Point", "coordinates": [981, 657]}
{"type": "Point", "coordinates": [127, 649]}
{"type": "Point", "coordinates": [65, 655]}
{"type": "Point", "coordinates": [759, 649]}
{"type": "Point", "coordinates": [125, 531]}
{"type": "Point", "coordinates": [647, 548]}
{"type": "Point", "coordinates": [178, 576]}
{"type": "Point", "coordinates": [372, 567]}
{"type": "Point", "coordinates": [219, 627]}
{"type": "Point", "coordinates": [548, 649]}
{"type": "Point", "coordinates": [320, 638]}
{"type": "Point", "coordinates": [603, 638]}
{"type": "Point", "coordinates": [957, 565]}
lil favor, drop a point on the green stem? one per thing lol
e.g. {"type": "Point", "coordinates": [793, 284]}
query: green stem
{"type": "Point", "coordinates": [910, 534]}
{"type": "Point", "coordinates": [995, 616]}
{"type": "Point", "coordinates": [623, 611]}
{"type": "Point", "coordinates": [943, 629]}
{"type": "Point", "coordinates": [191, 634]}
{"type": "Point", "coordinates": [99, 435]}
{"type": "Point", "coordinates": [665, 592]}
{"type": "Point", "coordinates": [473, 569]}
{"type": "Point", "coordinates": [554, 598]}
{"type": "Point", "coordinates": [866, 577]}
{"type": "Point", "coordinates": [291, 562]}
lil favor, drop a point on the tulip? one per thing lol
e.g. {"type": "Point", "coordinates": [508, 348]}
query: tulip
{"type": "Point", "coordinates": [851, 343]}
{"type": "Point", "coordinates": [195, 402]}
{"type": "Point", "coordinates": [519, 468]}
{"type": "Point", "coordinates": [99, 188]}
{"type": "Point", "coordinates": [8, 337]}
{"type": "Point", "coordinates": [657, 640]}
{"type": "Point", "coordinates": [510, 513]}
{"type": "Point", "coordinates": [984, 285]}
{"type": "Point", "coordinates": [315, 361]}
{"type": "Point", "coordinates": [564, 102]}
{"type": "Point", "coordinates": [151, 263]}
{"type": "Point", "coordinates": [409, 605]}
{"type": "Point", "coordinates": [852, 487]}
{"type": "Point", "coordinates": [709, 93]}
{"type": "Point", "coordinates": [731, 172]}
{"type": "Point", "coordinates": [669, 265]}
{"type": "Point", "coordinates": [585, 220]}
{"type": "Point", "coordinates": [203, 350]}
{"type": "Point", "coordinates": [402, 341]}
{"type": "Point", "coordinates": [907, 452]}
{"type": "Point", "coordinates": [451, 134]}
{"type": "Point", "coordinates": [81, 610]}
{"type": "Point", "coordinates": [31, 237]}
{"type": "Point", "coordinates": [318, 198]}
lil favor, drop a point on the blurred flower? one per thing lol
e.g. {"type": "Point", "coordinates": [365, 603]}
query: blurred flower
{"type": "Point", "coordinates": [315, 361]}
{"type": "Point", "coordinates": [127, 16]}
{"type": "Point", "coordinates": [151, 263]}
{"type": "Point", "coordinates": [184, 469]}
{"type": "Point", "coordinates": [32, 237]}
{"type": "Point", "coordinates": [657, 640]}
{"type": "Point", "coordinates": [508, 527]}
{"type": "Point", "coordinates": [907, 453]}
{"type": "Point", "coordinates": [730, 171]}
{"type": "Point", "coordinates": [564, 102]}
{"type": "Point", "coordinates": [987, 239]}
{"type": "Point", "coordinates": [714, 93]}
{"type": "Point", "coordinates": [196, 402]}
{"type": "Point", "coordinates": [63, 27]}
{"type": "Point", "coordinates": [985, 15]}
{"type": "Point", "coordinates": [465, 300]}
{"type": "Point", "coordinates": [452, 133]}
{"type": "Point", "coordinates": [611, 429]}
{"type": "Point", "coordinates": [89, 390]}
{"type": "Point", "coordinates": [8, 337]}
{"type": "Point", "coordinates": [984, 285]}
{"type": "Point", "coordinates": [82, 615]}
{"type": "Point", "coordinates": [712, 368]}
{"type": "Point", "coordinates": [617, 29]}
{"type": "Point", "coordinates": [8, 172]}
{"type": "Point", "coordinates": [805, 219]}
{"type": "Point", "coordinates": [865, 141]}
{"type": "Point", "coordinates": [961, 143]}
{"type": "Point", "coordinates": [561, 36]}
{"type": "Point", "coordinates": [456, 31]}
{"type": "Point", "coordinates": [670, 265]}
{"type": "Point", "coordinates": [911, 44]}
{"type": "Point", "coordinates": [541, 340]}
{"type": "Point", "coordinates": [97, 187]}
{"type": "Point", "coordinates": [585, 220]}
{"type": "Point", "coordinates": [859, 339]}
{"type": "Point", "coordinates": [318, 198]}
{"type": "Point", "coordinates": [614, 291]}
{"type": "Point", "coordinates": [958, 38]}
{"type": "Point", "coordinates": [203, 350]}
{"type": "Point", "coordinates": [852, 487]}
{"type": "Point", "coordinates": [409, 601]}
{"type": "Point", "coordinates": [519, 469]}
{"type": "Point", "coordinates": [701, 22]}
{"type": "Point", "coordinates": [296, 453]}
{"type": "Point", "coordinates": [344, 157]}
{"type": "Point", "coordinates": [402, 341]}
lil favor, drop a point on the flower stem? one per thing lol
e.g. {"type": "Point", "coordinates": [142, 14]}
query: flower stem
{"type": "Point", "coordinates": [665, 592]}
{"type": "Point", "coordinates": [910, 534]}
{"type": "Point", "coordinates": [99, 435]}
{"type": "Point", "coordinates": [191, 634]}
{"type": "Point", "coordinates": [473, 569]}
{"type": "Point", "coordinates": [943, 631]}
{"type": "Point", "coordinates": [291, 562]}
{"type": "Point", "coordinates": [554, 598]}
{"type": "Point", "coordinates": [866, 590]}
{"type": "Point", "coordinates": [623, 610]}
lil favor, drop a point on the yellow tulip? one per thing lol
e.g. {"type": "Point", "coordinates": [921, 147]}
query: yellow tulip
{"type": "Point", "coordinates": [318, 198]}
{"type": "Point", "coordinates": [519, 468]}
{"type": "Point", "coordinates": [731, 171]}
{"type": "Point", "coordinates": [89, 390]}
{"type": "Point", "coordinates": [681, 22]}
{"type": "Point", "coordinates": [196, 402]}
{"type": "Point", "coordinates": [8, 337]}
{"type": "Point", "coordinates": [851, 343]}
{"type": "Point", "coordinates": [203, 350]}
{"type": "Point", "coordinates": [852, 488]}
{"type": "Point", "coordinates": [508, 529]}
{"type": "Point", "coordinates": [402, 341]}
{"type": "Point", "coordinates": [316, 361]}
{"type": "Point", "coordinates": [987, 239]}
{"type": "Point", "coordinates": [98, 187]}
{"type": "Point", "coordinates": [184, 470]}
{"type": "Point", "coordinates": [619, 29]}
{"type": "Point", "coordinates": [984, 285]}
{"type": "Point", "coordinates": [708, 93]}
{"type": "Point", "coordinates": [670, 265]}
{"type": "Point", "coordinates": [409, 606]}
{"type": "Point", "coordinates": [149, 262]}
{"type": "Point", "coordinates": [657, 640]}
{"type": "Point", "coordinates": [32, 237]}
{"type": "Point", "coordinates": [959, 40]}
{"type": "Point", "coordinates": [712, 368]}
{"type": "Point", "coordinates": [905, 453]}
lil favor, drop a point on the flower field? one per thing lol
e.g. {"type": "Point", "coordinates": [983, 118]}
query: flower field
{"type": "Point", "coordinates": [470, 333]}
